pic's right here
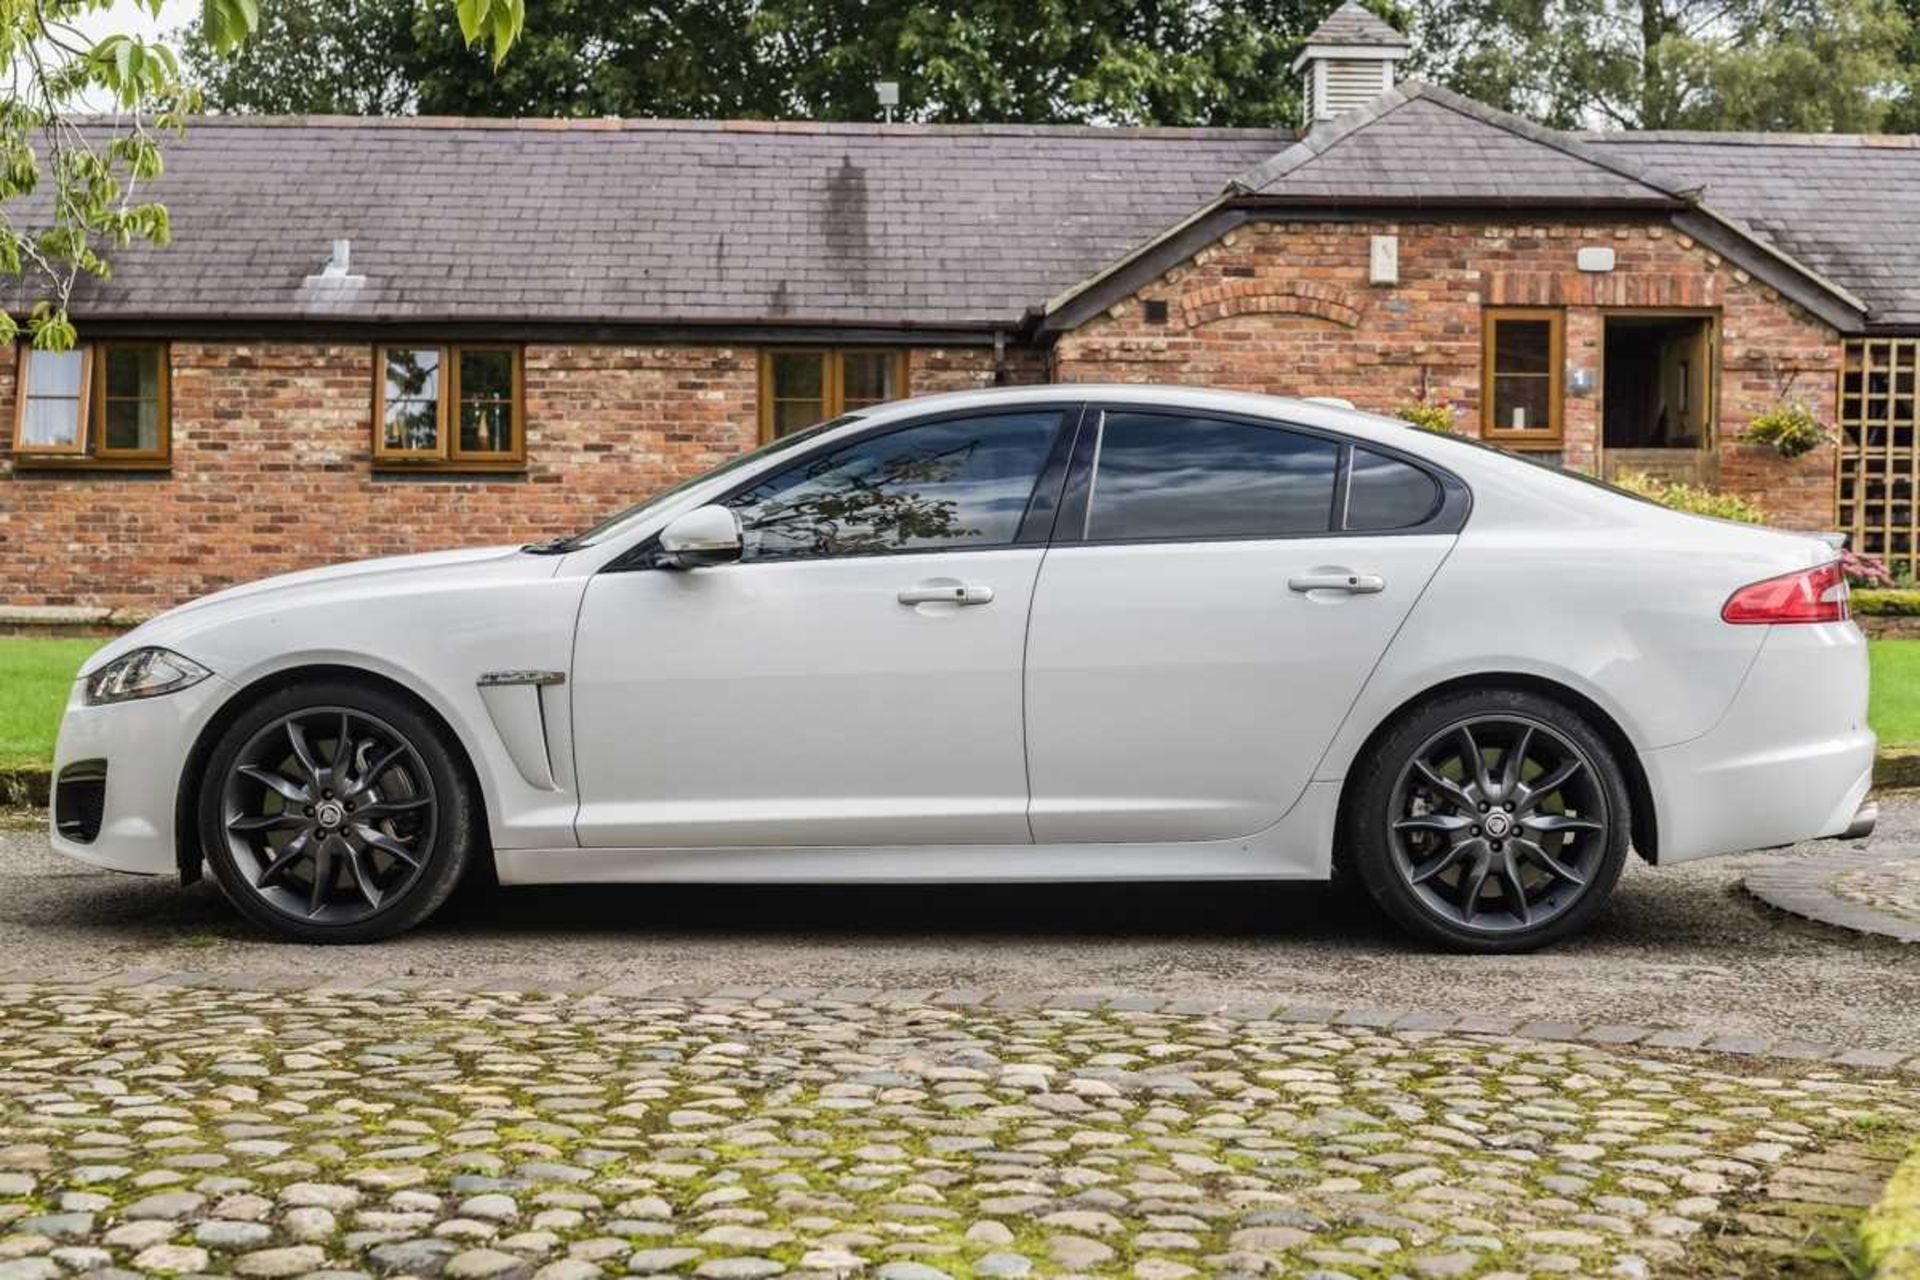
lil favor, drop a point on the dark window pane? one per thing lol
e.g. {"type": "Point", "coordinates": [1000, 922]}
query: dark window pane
{"type": "Point", "coordinates": [486, 426]}
{"type": "Point", "coordinates": [1522, 346]}
{"type": "Point", "coordinates": [866, 377]}
{"type": "Point", "coordinates": [799, 375]}
{"type": "Point", "coordinates": [961, 483]}
{"type": "Point", "coordinates": [1385, 493]}
{"type": "Point", "coordinates": [486, 375]}
{"type": "Point", "coordinates": [133, 424]}
{"type": "Point", "coordinates": [1522, 403]}
{"type": "Point", "coordinates": [133, 372]}
{"type": "Point", "coordinates": [1167, 477]}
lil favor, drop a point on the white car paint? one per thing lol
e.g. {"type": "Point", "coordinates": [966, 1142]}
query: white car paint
{"type": "Point", "coordinates": [1161, 711]}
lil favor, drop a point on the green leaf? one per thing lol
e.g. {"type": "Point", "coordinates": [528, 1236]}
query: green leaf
{"type": "Point", "coordinates": [473, 16]}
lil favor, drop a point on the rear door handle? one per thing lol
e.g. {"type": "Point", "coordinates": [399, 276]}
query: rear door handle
{"type": "Point", "coordinates": [946, 592]}
{"type": "Point", "coordinates": [1354, 584]}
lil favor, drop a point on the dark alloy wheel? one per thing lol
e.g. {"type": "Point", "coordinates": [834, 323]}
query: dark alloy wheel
{"type": "Point", "coordinates": [1491, 821]}
{"type": "Point", "coordinates": [335, 814]}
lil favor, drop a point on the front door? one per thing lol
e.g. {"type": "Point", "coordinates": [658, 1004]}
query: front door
{"type": "Point", "coordinates": [853, 680]}
{"type": "Point", "coordinates": [1657, 397]}
{"type": "Point", "coordinates": [1217, 595]}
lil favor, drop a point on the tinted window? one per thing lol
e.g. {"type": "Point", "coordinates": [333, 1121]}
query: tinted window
{"type": "Point", "coordinates": [1385, 493]}
{"type": "Point", "coordinates": [959, 483]}
{"type": "Point", "coordinates": [1169, 477]}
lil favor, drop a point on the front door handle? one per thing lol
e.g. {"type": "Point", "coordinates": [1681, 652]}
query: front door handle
{"type": "Point", "coordinates": [946, 591]}
{"type": "Point", "coordinates": [1354, 584]}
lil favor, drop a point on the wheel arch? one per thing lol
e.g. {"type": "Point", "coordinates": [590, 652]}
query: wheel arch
{"type": "Point", "coordinates": [1644, 820]}
{"type": "Point", "coordinates": [186, 828]}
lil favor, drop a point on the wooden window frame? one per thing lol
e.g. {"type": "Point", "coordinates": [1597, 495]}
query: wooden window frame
{"type": "Point", "coordinates": [1554, 436]}
{"type": "Point", "coordinates": [90, 451]}
{"type": "Point", "coordinates": [833, 397]}
{"type": "Point", "coordinates": [447, 455]}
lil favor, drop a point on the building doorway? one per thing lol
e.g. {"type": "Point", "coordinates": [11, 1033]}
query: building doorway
{"type": "Point", "coordinates": [1657, 396]}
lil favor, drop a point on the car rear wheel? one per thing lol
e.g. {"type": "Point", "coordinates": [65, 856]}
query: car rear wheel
{"type": "Point", "coordinates": [1490, 821]}
{"type": "Point", "coordinates": [336, 812]}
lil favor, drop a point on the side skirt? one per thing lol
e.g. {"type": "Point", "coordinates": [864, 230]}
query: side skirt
{"type": "Point", "coordinates": [1299, 847]}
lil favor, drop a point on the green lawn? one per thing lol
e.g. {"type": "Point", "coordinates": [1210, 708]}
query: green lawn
{"type": "Point", "coordinates": [34, 678]}
{"type": "Point", "coordinates": [35, 675]}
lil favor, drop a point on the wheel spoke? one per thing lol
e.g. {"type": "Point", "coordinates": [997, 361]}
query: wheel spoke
{"type": "Point", "coordinates": [388, 845]}
{"type": "Point", "coordinates": [1515, 763]}
{"type": "Point", "coordinates": [342, 768]}
{"type": "Point", "coordinates": [388, 808]}
{"type": "Point", "coordinates": [290, 853]}
{"type": "Point", "coordinates": [1532, 793]}
{"type": "Point", "coordinates": [1473, 883]}
{"type": "Point", "coordinates": [1446, 824]}
{"type": "Point", "coordinates": [1446, 786]}
{"type": "Point", "coordinates": [379, 767]}
{"type": "Point", "coordinates": [303, 752]}
{"type": "Point", "coordinates": [361, 879]}
{"type": "Point", "coordinates": [1451, 858]}
{"type": "Point", "coordinates": [1511, 887]}
{"type": "Point", "coordinates": [1538, 855]}
{"type": "Point", "coordinates": [289, 790]}
{"type": "Point", "coordinates": [281, 821]}
{"type": "Point", "coordinates": [1473, 762]}
{"type": "Point", "coordinates": [1547, 823]}
{"type": "Point", "coordinates": [322, 876]}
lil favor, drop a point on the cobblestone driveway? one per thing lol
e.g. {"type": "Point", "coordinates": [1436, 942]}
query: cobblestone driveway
{"type": "Point", "coordinates": [307, 1132]}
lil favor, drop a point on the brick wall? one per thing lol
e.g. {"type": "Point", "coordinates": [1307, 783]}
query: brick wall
{"type": "Point", "coordinates": [272, 455]}
{"type": "Point", "coordinates": [1286, 308]}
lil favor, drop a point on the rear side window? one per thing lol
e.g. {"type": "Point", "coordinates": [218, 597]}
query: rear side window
{"type": "Point", "coordinates": [1386, 493]}
{"type": "Point", "coordinates": [1167, 477]}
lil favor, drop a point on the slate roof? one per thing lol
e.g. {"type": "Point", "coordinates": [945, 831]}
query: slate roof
{"type": "Point", "coordinates": [657, 222]}
{"type": "Point", "coordinates": [1422, 144]}
{"type": "Point", "coordinates": [1351, 24]}
{"type": "Point", "coordinates": [1846, 206]}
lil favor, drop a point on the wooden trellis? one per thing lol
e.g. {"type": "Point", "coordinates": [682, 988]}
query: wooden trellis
{"type": "Point", "coordinates": [1879, 480]}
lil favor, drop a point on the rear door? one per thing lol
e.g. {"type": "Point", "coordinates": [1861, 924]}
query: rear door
{"type": "Point", "coordinates": [1217, 593]}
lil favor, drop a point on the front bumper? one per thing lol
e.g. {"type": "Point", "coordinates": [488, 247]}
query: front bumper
{"type": "Point", "coordinates": [1792, 759]}
{"type": "Point", "coordinates": [143, 745]}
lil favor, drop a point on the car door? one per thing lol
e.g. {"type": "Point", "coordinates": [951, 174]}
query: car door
{"type": "Point", "coordinates": [855, 678]}
{"type": "Point", "coordinates": [1217, 592]}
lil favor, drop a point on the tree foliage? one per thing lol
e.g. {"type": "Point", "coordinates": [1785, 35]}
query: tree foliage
{"type": "Point", "coordinates": [73, 188]}
{"type": "Point", "coordinates": [1805, 65]}
{"type": "Point", "coordinates": [1105, 61]}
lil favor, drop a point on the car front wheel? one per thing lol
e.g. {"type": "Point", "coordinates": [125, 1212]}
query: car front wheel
{"type": "Point", "coordinates": [1490, 821]}
{"type": "Point", "coordinates": [335, 812]}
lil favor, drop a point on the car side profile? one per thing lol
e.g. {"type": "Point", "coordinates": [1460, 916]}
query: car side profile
{"type": "Point", "coordinates": [1031, 634]}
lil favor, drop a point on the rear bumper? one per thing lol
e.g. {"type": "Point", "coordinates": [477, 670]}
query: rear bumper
{"type": "Point", "coordinates": [1791, 760]}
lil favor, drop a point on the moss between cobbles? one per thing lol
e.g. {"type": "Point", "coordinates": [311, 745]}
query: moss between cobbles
{"type": "Point", "coordinates": [1890, 1232]}
{"type": "Point", "coordinates": [507, 1080]}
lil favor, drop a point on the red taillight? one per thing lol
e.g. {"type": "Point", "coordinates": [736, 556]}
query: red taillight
{"type": "Point", "coordinates": [1811, 595]}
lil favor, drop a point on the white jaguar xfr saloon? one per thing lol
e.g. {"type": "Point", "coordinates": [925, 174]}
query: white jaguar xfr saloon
{"type": "Point", "coordinates": [1034, 634]}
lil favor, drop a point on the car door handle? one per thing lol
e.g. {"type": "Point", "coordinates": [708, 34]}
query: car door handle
{"type": "Point", "coordinates": [946, 593]}
{"type": "Point", "coordinates": [1354, 584]}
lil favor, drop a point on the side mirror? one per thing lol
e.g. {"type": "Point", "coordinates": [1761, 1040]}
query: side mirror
{"type": "Point", "coordinates": [704, 536]}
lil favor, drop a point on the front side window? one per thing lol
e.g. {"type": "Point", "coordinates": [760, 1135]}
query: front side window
{"type": "Point", "coordinates": [100, 404]}
{"type": "Point", "coordinates": [953, 484]}
{"type": "Point", "coordinates": [452, 408]}
{"type": "Point", "coordinates": [1168, 478]}
{"type": "Point", "coordinates": [1521, 374]}
{"type": "Point", "coordinates": [803, 386]}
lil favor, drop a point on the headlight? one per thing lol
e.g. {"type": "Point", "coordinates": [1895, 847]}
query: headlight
{"type": "Point", "coordinates": [144, 673]}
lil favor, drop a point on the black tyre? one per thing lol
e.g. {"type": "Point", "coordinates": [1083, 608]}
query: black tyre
{"type": "Point", "coordinates": [336, 812]}
{"type": "Point", "coordinates": [1490, 821]}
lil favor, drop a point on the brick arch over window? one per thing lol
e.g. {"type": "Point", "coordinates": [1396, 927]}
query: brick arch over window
{"type": "Point", "coordinates": [1257, 297]}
